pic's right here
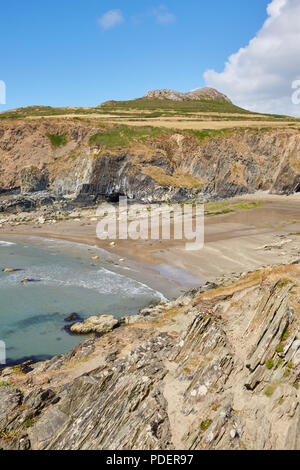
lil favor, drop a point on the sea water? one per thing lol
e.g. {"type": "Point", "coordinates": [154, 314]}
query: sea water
{"type": "Point", "coordinates": [65, 280]}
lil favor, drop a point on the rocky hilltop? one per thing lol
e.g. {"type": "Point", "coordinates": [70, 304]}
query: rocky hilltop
{"type": "Point", "coordinates": [205, 93]}
{"type": "Point", "coordinates": [88, 162]}
{"type": "Point", "coordinates": [218, 368]}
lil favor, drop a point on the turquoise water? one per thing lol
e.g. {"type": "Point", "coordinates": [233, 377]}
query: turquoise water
{"type": "Point", "coordinates": [66, 281]}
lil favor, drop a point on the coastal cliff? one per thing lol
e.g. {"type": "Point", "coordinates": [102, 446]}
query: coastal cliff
{"type": "Point", "coordinates": [217, 368]}
{"type": "Point", "coordinates": [84, 161]}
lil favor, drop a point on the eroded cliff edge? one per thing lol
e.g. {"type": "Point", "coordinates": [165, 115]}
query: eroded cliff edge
{"type": "Point", "coordinates": [218, 368]}
{"type": "Point", "coordinates": [83, 161]}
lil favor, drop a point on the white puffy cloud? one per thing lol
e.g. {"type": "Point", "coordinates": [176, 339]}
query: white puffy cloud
{"type": "Point", "coordinates": [110, 19]}
{"type": "Point", "coordinates": [260, 76]}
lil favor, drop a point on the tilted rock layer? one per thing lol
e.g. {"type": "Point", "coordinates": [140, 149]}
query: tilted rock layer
{"type": "Point", "coordinates": [169, 166]}
{"type": "Point", "coordinates": [32, 179]}
{"type": "Point", "coordinates": [218, 368]}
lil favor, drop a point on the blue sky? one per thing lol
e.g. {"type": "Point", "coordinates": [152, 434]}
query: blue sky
{"type": "Point", "coordinates": [61, 53]}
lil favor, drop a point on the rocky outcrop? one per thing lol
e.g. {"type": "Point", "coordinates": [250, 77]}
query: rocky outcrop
{"type": "Point", "coordinates": [218, 368]}
{"type": "Point", "coordinates": [28, 202]}
{"type": "Point", "coordinates": [205, 93]}
{"type": "Point", "coordinates": [128, 413]}
{"type": "Point", "coordinates": [33, 179]}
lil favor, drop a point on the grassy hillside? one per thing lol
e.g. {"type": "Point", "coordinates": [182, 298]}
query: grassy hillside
{"type": "Point", "coordinates": [143, 107]}
{"type": "Point", "coordinates": [198, 115]}
{"type": "Point", "coordinates": [188, 106]}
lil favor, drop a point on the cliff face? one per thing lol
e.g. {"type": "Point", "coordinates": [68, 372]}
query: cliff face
{"type": "Point", "coordinates": [245, 162]}
{"type": "Point", "coordinates": [218, 368]}
{"type": "Point", "coordinates": [173, 166]}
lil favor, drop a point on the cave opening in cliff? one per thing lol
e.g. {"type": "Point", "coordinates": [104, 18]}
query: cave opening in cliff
{"type": "Point", "coordinates": [115, 197]}
{"type": "Point", "coordinates": [297, 190]}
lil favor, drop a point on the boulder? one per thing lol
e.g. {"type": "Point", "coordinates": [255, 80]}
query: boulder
{"type": "Point", "coordinates": [97, 324]}
{"type": "Point", "coordinates": [26, 281]}
{"type": "Point", "coordinates": [72, 317]}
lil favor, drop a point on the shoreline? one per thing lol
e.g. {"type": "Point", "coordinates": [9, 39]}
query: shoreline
{"type": "Point", "coordinates": [149, 275]}
{"type": "Point", "coordinates": [233, 241]}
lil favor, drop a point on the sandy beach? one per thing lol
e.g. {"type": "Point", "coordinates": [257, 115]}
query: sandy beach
{"type": "Point", "coordinates": [243, 239]}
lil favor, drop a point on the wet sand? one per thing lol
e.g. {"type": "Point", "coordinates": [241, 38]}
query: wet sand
{"type": "Point", "coordinates": [235, 242]}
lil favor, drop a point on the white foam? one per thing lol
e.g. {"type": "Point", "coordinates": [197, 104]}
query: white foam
{"type": "Point", "coordinates": [3, 243]}
{"type": "Point", "coordinates": [60, 274]}
{"type": "Point", "coordinates": [101, 280]}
